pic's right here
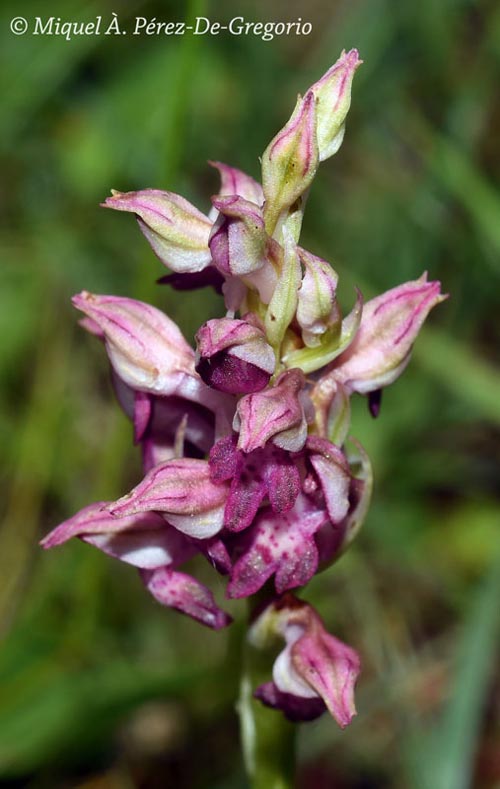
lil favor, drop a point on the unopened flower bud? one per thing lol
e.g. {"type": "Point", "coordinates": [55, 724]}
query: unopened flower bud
{"type": "Point", "coordinates": [333, 99]}
{"type": "Point", "coordinates": [317, 308]}
{"type": "Point", "coordinates": [176, 230]}
{"type": "Point", "coordinates": [233, 356]}
{"type": "Point", "coordinates": [290, 161]}
{"type": "Point", "coordinates": [144, 346]}
{"type": "Point", "coordinates": [238, 240]}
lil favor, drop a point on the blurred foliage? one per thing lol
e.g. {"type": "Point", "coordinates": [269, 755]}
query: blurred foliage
{"type": "Point", "coordinates": [100, 687]}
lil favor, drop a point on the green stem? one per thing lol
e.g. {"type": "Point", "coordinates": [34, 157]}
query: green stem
{"type": "Point", "coordinates": [268, 739]}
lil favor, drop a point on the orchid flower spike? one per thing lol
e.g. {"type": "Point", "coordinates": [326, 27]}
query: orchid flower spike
{"type": "Point", "coordinates": [247, 457]}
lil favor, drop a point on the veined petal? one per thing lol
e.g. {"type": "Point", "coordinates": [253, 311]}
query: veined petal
{"type": "Point", "coordinates": [184, 493]}
{"type": "Point", "coordinates": [330, 668]}
{"type": "Point", "coordinates": [143, 540]}
{"type": "Point", "coordinates": [145, 347]}
{"type": "Point", "coordinates": [236, 182]}
{"type": "Point", "coordinates": [388, 329]}
{"type": "Point", "coordinates": [334, 539]}
{"type": "Point", "coordinates": [176, 230]}
{"type": "Point", "coordinates": [144, 549]}
{"type": "Point", "coordinates": [275, 413]}
{"type": "Point", "coordinates": [330, 464]}
{"type": "Point", "coordinates": [96, 519]}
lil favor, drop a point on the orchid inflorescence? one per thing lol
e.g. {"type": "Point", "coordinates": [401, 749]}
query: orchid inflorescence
{"type": "Point", "coordinates": [244, 441]}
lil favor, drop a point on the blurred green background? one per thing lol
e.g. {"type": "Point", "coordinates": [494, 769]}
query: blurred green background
{"type": "Point", "coordinates": [101, 688]}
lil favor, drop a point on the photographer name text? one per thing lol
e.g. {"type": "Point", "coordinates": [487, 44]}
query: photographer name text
{"type": "Point", "coordinates": [142, 26]}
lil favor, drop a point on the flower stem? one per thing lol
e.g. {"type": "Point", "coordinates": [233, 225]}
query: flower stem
{"type": "Point", "coordinates": [268, 739]}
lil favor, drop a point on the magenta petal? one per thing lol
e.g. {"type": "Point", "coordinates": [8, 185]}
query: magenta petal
{"type": "Point", "coordinates": [96, 519]}
{"type": "Point", "coordinates": [176, 230]}
{"type": "Point", "coordinates": [296, 708]}
{"type": "Point", "coordinates": [185, 594]}
{"type": "Point", "coordinates": [238, 240]}
{"type": "Point", "coordinates": [146, 349]}
{"type": "Point", "coordinates": [276, 413]}
{"type": "Point", "coordinates": [224, 460]}
{"type": "Point", "coordinates": [389, 326]}
{"type": "Point", "coordinates": [332, 469]}
{"type": "Point", "coordinates": [245, 497]}
{"type": "Point", "coordinates": [143, 540]}
{"type": "Point", "coordinates": [228, 373]}
{"type": "Point", "coordinates": [283, 483]}
{"type": "Point", "coordinates": [254, 475]}
{"type": "Point", "coordinates": [313, 664]}
{"type": "Point", "coordinates": [217, 554]}
{"type": "Point", "coordinates": [198, 279]}
{"type": "Point", "coordinates": [142, 414]}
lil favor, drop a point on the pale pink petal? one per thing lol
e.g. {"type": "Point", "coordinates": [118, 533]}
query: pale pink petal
{"type": "Point", "coordinates": [176, 230]}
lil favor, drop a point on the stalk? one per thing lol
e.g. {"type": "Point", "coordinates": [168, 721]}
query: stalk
{"type": "Point", "coordinates": [268, 739]}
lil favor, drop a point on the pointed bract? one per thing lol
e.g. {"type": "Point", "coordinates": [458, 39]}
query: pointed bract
{"type": "Point", "coordinates": [290, 161]}
{"type": "Point", "coordinates": [283, 303]}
